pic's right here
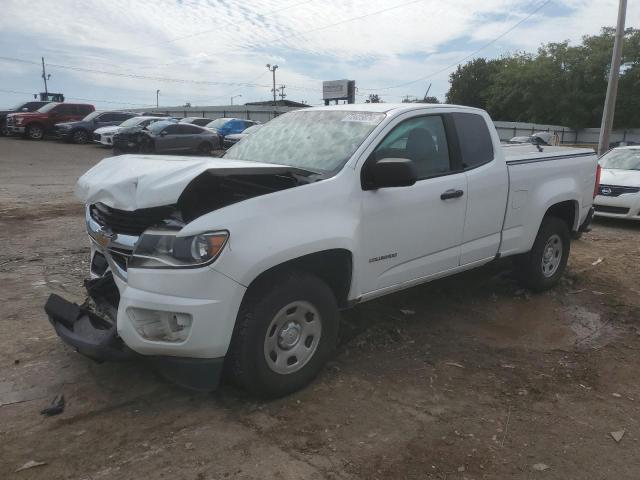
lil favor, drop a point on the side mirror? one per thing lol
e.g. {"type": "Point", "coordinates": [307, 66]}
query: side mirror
{"type": "Point", "coordinates": [389, 172]}
{"type": "Point", "coordinates": [24, 109]}
{"type": "Point", "coordinates": [163, 133]}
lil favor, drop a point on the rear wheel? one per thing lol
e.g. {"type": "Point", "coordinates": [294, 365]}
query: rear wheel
{"type": "Point", "coordinates": [80, 137]}
{"type": "Point", "coordinates": [542, 267]}
{"type": "Point", "coordinates": [285, 331]}
{"type": "Point", "coordinates": [204, 148]}
{"type": "Point", "coordinates": [35, 132]}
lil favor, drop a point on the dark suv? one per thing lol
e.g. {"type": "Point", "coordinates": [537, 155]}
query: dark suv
{"type": "Point", "coordinates": [34, 125]}
{"type": "Point", "coordinates": [21, 107]}
{"type": "Point", "coordinates": [82, 130]}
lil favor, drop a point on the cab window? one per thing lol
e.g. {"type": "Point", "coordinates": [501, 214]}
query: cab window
{"type": "Point", "coordinates": [422, 140]}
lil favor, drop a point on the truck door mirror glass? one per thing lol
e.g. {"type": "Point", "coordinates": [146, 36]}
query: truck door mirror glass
{"type": "Point", "coordinates": [25, 109]}
{"type": "Point", "coordinates": [390, 172]}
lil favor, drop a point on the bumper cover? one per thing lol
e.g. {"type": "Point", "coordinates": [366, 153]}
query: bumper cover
{"type": "Point", "coordinates": [97, 339]}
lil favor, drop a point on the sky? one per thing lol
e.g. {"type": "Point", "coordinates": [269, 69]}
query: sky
{"type": "Point", "coordinates": [117, 53]}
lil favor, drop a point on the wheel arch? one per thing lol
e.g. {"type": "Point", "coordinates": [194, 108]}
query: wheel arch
{"type": "Point", "coordinates": [568, 210]}
{"type": "Point", "coordinates": [333, 266]}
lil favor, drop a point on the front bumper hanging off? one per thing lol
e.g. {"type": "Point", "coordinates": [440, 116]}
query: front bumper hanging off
{"type": "Point", "coordinates": [91, 331]}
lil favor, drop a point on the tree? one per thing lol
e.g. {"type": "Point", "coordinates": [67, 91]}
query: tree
{"type": "Point", "coordinates": [374, 98]}
{"type": "Point", "coordinates": [559, 84]}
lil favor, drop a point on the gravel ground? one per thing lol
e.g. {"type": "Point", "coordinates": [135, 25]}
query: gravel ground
{"type": "Point", "coordinates": [465, 378]}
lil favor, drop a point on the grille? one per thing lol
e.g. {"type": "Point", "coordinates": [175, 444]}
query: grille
{"type": "Point", "coordinates": [128, 223]}
{"type": "Point", "coordinates": [610, 209]}
{"type": "Point", "coordinates": [10, 121]}
{"type": "Point", "coordinates": [616, 191]}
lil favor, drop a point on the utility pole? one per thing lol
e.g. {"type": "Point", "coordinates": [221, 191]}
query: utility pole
{"type": "Point", "coordinates": [45, 78]}
{"type": "Point", "coordinates": [157, 98]}
{"type": "Point", "coordinates": [282, 95]}
{"type": "Point", "coordinates": [235, 96]}
{"type": "Point", "coordinates": [273, 70]}
{"type": "Point", "coordinates": [612, 87]}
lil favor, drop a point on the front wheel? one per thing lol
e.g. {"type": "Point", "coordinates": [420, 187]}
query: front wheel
{"type": "Point", "coordinates": [204, 148]}
{"type": "Point", "coordinates": [285, 332]}
{"type": "Point", "coordinates": [542, 267]}
{"type": "Point", "coordinates": [35, 132]}
{"type": "Point", "coordinates": [80, 137]}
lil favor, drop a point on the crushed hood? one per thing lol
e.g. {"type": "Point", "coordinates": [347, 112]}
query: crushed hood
{"type": "Point", "coordinates": [131, 182]}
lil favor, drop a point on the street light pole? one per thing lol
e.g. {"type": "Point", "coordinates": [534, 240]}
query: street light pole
{"type": "Point", "coordinates": [612, 87]}
{"type": "Point", "coordinates": [273, 70]}
{"type": "Point", "coordinates": [157, 98]}
{"type": "Point", "coordinates": [235, 96]}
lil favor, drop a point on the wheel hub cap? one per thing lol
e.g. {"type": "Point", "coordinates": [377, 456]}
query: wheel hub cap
{"type": "Point", "coordinates": [551, 256]}
{"type": "Point", "coordinates": [292, 337]}
{"type": "Point", "coordinates": [289, 335]}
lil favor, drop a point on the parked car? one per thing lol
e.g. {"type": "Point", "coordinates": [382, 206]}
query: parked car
{"type": "Point", "coordinates": [21, 107]}
{"type": "Point", "coordinates": [167, 137]}
{"type": "Point", "coordinates": [200, 121]}
{"type": "Point", "coordinates": [619, 192]}
{"type": "Point", "coordinates": [105, 135]}
{"type": "Point", "coordinates": [226, 126]}
{"type": "Point", "coordinates": [82, 130]}
{"type": "Point", "coordinates": [34, 125]}
{"type": "Point", "coordinates": [245, 261]}
{"type": "Point", "coordinates": [233, 138]}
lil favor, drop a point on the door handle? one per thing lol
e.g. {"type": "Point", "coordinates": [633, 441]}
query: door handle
{"type": "Point", "coordinates": [451, 194]}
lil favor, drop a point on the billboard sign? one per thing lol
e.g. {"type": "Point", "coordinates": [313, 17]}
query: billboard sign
{"type": "Point", "coordinates": [339, 90]}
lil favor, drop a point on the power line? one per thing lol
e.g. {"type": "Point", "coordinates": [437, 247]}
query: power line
{"type": "Point", "coordinates": [513, 27]}
{"type": "Point", "coordinates": [82, 99]}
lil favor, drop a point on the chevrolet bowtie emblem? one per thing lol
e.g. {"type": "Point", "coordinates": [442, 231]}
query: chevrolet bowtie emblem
{"type": "Point", "coordinates": [103, 237]}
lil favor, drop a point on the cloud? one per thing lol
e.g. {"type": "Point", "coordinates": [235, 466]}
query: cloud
{"type": "Point", "coordinates": [378, 43]}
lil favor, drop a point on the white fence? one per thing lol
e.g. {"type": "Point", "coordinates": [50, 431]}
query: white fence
{"type": "Point", "coordinates": [506, 130]}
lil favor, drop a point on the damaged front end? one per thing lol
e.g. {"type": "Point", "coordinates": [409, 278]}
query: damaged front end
{"type": "Point", "coordinates": [118, 234]}
{"type": "Point", "coordinates": [90, 328]}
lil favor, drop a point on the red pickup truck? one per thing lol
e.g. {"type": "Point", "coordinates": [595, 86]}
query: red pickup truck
{"type": "Point", "coordinates": [34, 125]}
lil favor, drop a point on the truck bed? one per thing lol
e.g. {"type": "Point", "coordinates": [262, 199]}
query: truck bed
{"type": "Point", "coordinates": [538, 179]}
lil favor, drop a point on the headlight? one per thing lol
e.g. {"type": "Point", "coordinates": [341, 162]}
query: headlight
{"type": "Point", "coordinates": [19, 120]}
{"type": "Point", "coordinates": [164, 249]}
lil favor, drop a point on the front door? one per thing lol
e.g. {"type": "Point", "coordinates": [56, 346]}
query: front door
{"type": "Point", "coordinates": [412, 233]}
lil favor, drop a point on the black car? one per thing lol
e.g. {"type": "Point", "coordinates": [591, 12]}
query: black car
{"type": "Point", "coordinates": [167, 137]}
{"type": "Point", "coordinates": [21, 107]}
{"type": "Point", "coordinates": [82, 130]}
{"type": "Point", "coordinates": [200, 121]}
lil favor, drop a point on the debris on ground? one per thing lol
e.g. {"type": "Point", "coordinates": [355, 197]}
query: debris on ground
{"type": "Point", "coordinates": [407, 312]}
{"type": "Point", "coordinates": [56, 407]}
{"type": "Point", "coordinates": [598, 261]}
{"type": "Point", "coordinates": [616, 395]}
{"type": "Point", "coordinates": [454, 364]}
{"type": "Point", "coordinates": [540, 467]}
{"type": "Point", "coordinates": [617, 436]}
{"type": "Point", "coordinates": [30, 464]}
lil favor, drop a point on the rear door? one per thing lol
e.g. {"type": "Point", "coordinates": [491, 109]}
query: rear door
{"type": "Point", "coordinates": [65, 112]}
{"type": "Point", "coordinates": [487, 187]}
{"type": "Point", "coordinates": [413, 233]}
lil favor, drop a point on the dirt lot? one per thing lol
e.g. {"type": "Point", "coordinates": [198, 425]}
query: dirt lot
{"type": "Point", "coordinates": [475, 379]}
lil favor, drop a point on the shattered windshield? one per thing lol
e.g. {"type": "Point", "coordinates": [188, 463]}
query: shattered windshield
{"type": "Point", "coordinates": [319, 141]}
{"type": "Point", "coordinates": [621, 159]}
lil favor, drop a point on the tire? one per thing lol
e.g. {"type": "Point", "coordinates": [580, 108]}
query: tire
{"type": "Point", "coordinates": [34, 132]}
{"type": "Point", "coordinates": [204, 148]}
{"type": "Point", "coordinates": [542, 267]}
{"type": "Point", "coordinates": [286, 330]}
{"type": "Point", "coordinates": [80, 137]}
{"type": "Point", "coordinates": [146, 146]}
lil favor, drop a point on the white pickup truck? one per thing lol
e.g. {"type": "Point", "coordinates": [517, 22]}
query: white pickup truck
{"type": "Point", "coordinates": [241, 264]}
